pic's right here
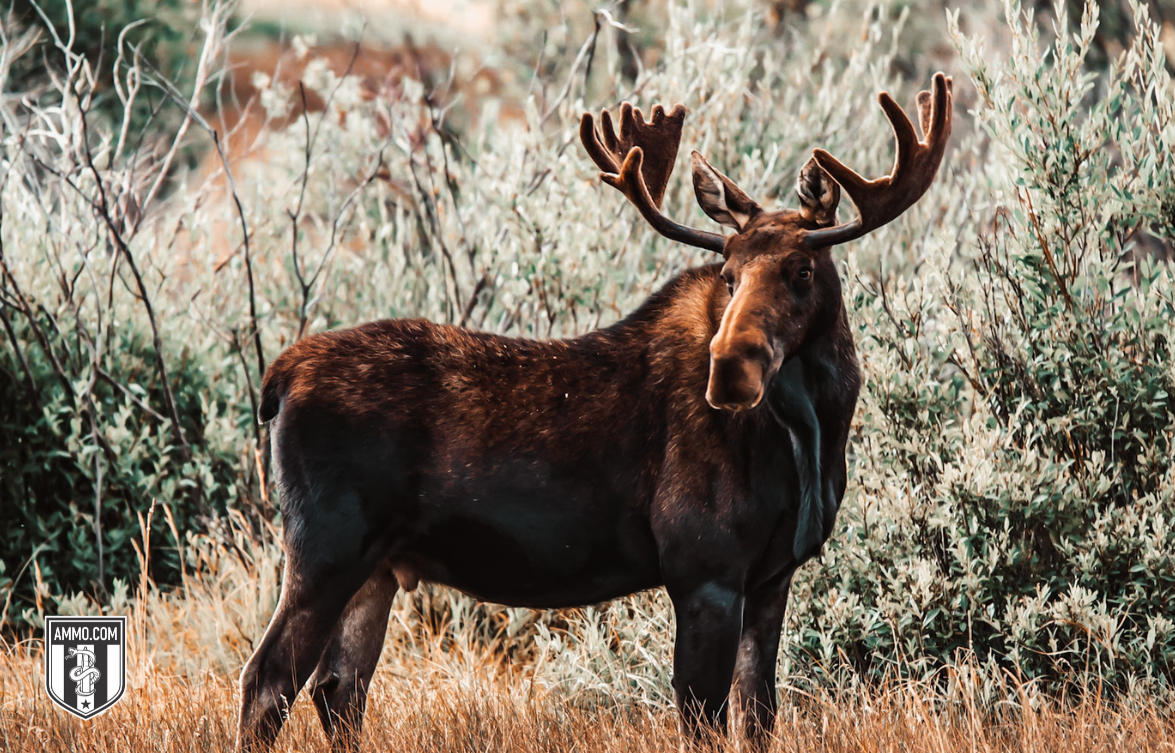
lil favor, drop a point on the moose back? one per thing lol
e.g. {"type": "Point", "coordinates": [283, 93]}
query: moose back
{"type": "Point", "coordinates": [698, 444]}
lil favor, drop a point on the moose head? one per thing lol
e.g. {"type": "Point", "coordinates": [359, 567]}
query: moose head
{"type": "Point", "coordinates": [783, 286]}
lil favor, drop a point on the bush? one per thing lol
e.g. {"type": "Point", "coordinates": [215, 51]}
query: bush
{"type": "Point", "coordinates": [109, 401]}
{"type": "Point", "coordinates": [102, 32]}
{"type": "Point", "coordinates": [1014, 463]}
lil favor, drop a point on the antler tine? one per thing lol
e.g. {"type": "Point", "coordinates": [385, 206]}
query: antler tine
{"type": "Point", "coordinates": [591, 142]}
{"type": "Point", "coordinates": [638, 162]}
{"type": "Point", "coordinates": [925, 112]}
{"type": "Point", "coordinates": [915, 164]}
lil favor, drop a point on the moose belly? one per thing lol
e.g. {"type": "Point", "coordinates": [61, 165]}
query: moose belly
{"type": "Point", "coordinates": [539, 538]}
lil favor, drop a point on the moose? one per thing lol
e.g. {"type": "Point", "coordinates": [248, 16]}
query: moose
{"type": "Point", "coordinates": [698, 444]}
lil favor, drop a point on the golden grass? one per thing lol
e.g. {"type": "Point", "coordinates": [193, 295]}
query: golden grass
{"type": "Point", "coordinates": [445, 688]}
{"type": "Point", "coordinates": [492, 710]}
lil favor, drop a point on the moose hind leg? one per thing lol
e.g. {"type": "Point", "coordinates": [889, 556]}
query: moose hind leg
{"type": "Point", "coordinates": [325, 566]}
{"type": "Point", "coordinates": [340, 683]}
{"type": "Point", "coordinates": [284, 659]}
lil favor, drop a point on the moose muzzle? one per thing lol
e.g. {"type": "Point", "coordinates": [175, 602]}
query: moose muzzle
{"type": "Point", "coordinates": [738, 372]}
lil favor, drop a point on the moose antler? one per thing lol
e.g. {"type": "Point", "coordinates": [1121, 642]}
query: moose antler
{"type": "Point", "coordinates": [638, 162]}
{"type": "Point", "coordinates": [880, 201]}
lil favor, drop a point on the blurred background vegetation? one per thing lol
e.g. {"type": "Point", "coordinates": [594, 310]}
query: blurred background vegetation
{"type": "Point", "coordinates": [188, 188]}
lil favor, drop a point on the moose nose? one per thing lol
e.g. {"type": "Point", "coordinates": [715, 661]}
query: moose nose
{"type": "Point", "coordinates": [738, 374]}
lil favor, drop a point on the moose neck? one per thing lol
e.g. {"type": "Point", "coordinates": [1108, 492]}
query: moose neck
{"type": "Point", "coordinates": [827, 350]}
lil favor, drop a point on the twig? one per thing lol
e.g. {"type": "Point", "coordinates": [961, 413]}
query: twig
{"type": "Point", "coordinates": [103, 209]}
{"type": "Point", "coordinates": [480, 286]}
{"type": "Point", "coordinates": [1044, 247]}
{"type": "Point", "coordinates": [584, 51]}
{"type": "Point", "coordinates": [106, 377]}
{"type": "Point", "coordinates": [211, 42]}
{"type": "Point", "coordinates": [30, 384]}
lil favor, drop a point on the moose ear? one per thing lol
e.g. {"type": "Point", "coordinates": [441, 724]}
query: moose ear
{"type": "Point", "coordinates": [819, 194]}
{"type": "Point", "coordinates": [720, 198]}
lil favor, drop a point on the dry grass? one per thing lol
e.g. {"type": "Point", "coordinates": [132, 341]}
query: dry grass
{"type": "Point", "coordinates": [491, 710]}
{"type": "Point", "coordinates": [442, 686]}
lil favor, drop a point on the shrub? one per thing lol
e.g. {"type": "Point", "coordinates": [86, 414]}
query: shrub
{"type": "Point", "coordinates": [109, 401]}
{"type": "Point", "coordinates": [102, 32]}
{"type": "Point", "coordinates": [1014, 462]}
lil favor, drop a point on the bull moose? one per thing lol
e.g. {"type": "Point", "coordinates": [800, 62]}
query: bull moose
{"type": "Point", "coordinates": [698, 444]}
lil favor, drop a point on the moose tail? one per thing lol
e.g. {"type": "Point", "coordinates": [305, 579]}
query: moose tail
{"type": "Point", "coordinates": [273, 389]}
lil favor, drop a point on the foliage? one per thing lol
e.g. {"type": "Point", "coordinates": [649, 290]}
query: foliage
{"type": "Point", "coordinates": [108, 402]}
{"type": "Point", "coordinates": [109, 34]}
{"type": "Point", "coordinates": [1014, 467]}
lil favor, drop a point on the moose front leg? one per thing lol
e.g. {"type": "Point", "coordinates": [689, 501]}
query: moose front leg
{"type": "Point", "coordinates": [709, 621]}
{"type": "Point", "coordinates": [758, 651]}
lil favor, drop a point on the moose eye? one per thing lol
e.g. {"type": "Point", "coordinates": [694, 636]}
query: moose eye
{"type": "Point", "coordinates": [805, 274]}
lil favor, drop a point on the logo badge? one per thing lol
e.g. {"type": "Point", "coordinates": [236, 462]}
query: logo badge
{"type": "Point", "coordinates": [85, 663]}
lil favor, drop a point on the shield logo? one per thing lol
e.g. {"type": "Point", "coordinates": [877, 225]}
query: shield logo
{"type": "Point", "coordinates": [85, 663]}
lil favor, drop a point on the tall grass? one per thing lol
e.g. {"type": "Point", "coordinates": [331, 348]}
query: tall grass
{"type": "Point", "coordinates": [442, 687]}
{"type": "Point", "coordinates": [483, 708]}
